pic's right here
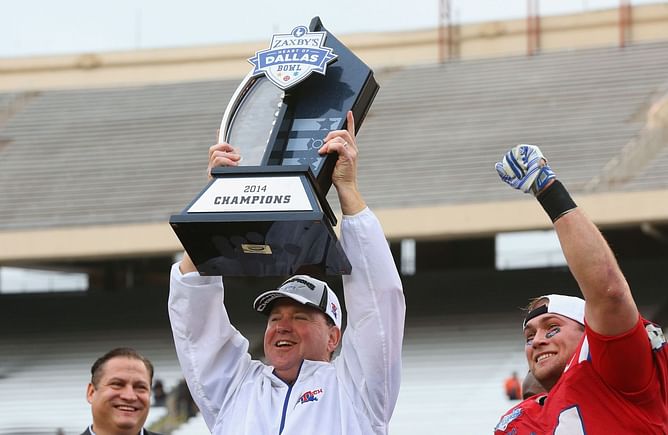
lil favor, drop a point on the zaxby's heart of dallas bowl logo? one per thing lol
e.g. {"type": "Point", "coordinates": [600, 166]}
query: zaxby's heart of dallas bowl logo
{"type": "Point", "coordinates": [293, 57]}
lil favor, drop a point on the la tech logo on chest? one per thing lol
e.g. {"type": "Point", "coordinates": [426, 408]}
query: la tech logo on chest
{"type": "Point", "coordinates": [310, 396]}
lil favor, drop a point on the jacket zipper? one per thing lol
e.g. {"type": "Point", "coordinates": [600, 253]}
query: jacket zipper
{"type": "Point", "coordinates": [285, 408]}
{"type": "Point", "coordinates": [287, 398]}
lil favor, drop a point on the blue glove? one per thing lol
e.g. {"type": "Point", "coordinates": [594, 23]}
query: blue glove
{"type": "Point", "coordinates": [525, 168]}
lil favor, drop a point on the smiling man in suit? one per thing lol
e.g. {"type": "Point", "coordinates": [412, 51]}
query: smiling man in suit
{"type": "Point", "coordinates": [119, 393]}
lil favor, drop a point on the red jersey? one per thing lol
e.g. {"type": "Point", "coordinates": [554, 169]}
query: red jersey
{"type": "Point", "coordinates": [612, 386]}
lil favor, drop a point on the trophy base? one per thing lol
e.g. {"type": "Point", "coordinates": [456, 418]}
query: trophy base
{"type": "Point", "coordinates": [242, 241]}
{"type": "Point", "coordinates": [269, 248]}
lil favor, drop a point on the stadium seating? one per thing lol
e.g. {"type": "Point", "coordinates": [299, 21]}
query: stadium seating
{"type": "Point", "coordinates": [142, 146]}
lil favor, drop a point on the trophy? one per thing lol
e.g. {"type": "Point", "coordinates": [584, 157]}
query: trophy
{"type": "Point", "coordinates": [269, 216]}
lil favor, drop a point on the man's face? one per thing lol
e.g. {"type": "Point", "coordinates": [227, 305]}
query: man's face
{"type": "Point", "coordinates": [296, 332]}
{"type": "Point", "coordinates": [120, 401]}
{"type": "Point", "coordinates": [551, 340]}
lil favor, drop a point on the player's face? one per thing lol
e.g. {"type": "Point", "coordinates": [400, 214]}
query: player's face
{"type": "Point", "coordinates": [296, 332]}
{"type": "Point", "coordinates": [120, 401]}
{"type": "Point", "coordinates": [551, 340]}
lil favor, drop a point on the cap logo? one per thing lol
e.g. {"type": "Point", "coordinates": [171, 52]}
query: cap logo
{"type": "Point", "coordinates": [262, 304]}
{"type": "Point", "coordinates": [301, 281]}
{"type": "Point", "coordinates": [335, 310]}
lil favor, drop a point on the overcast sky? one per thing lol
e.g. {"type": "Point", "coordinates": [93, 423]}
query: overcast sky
{"type": "Point", "coordinates": [38, 27]}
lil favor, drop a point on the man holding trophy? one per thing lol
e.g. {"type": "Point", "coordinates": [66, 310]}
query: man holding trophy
{"type": "Point", "coordinates": [301, 389]}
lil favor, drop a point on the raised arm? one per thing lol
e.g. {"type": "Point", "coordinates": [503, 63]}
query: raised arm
{"type": "Point", "coordinates": [213, 355]}
{"type": "Point", "coordinates": [371, 353]}
{"type": "Point", "coordinates": [376, 310]}
{"type": "Point", "coordinates": [610, 308]}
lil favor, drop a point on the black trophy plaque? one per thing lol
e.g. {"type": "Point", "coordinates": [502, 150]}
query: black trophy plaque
{"type": "Point", "coordinates": [269, 216]}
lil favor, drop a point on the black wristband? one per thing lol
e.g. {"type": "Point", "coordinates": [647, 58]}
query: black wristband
{"type": "Point", "coordinates": [556, 200]}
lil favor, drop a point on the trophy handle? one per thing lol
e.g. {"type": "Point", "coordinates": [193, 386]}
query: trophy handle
{"type": "Point", "coordinates": [232, 105]}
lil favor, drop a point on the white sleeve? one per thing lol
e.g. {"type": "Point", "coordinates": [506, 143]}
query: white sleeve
{"type": "Point", "coordinates": [376, 308]}
{"type": "Point", "coordinates": [212, 353]}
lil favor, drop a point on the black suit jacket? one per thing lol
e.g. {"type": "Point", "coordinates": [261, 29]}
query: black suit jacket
{"type": "Point", "coordinates": [146, 432]}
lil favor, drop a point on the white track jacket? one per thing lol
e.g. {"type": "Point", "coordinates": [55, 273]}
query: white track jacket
{"type": "Point", "coordinates": [354, 394]}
